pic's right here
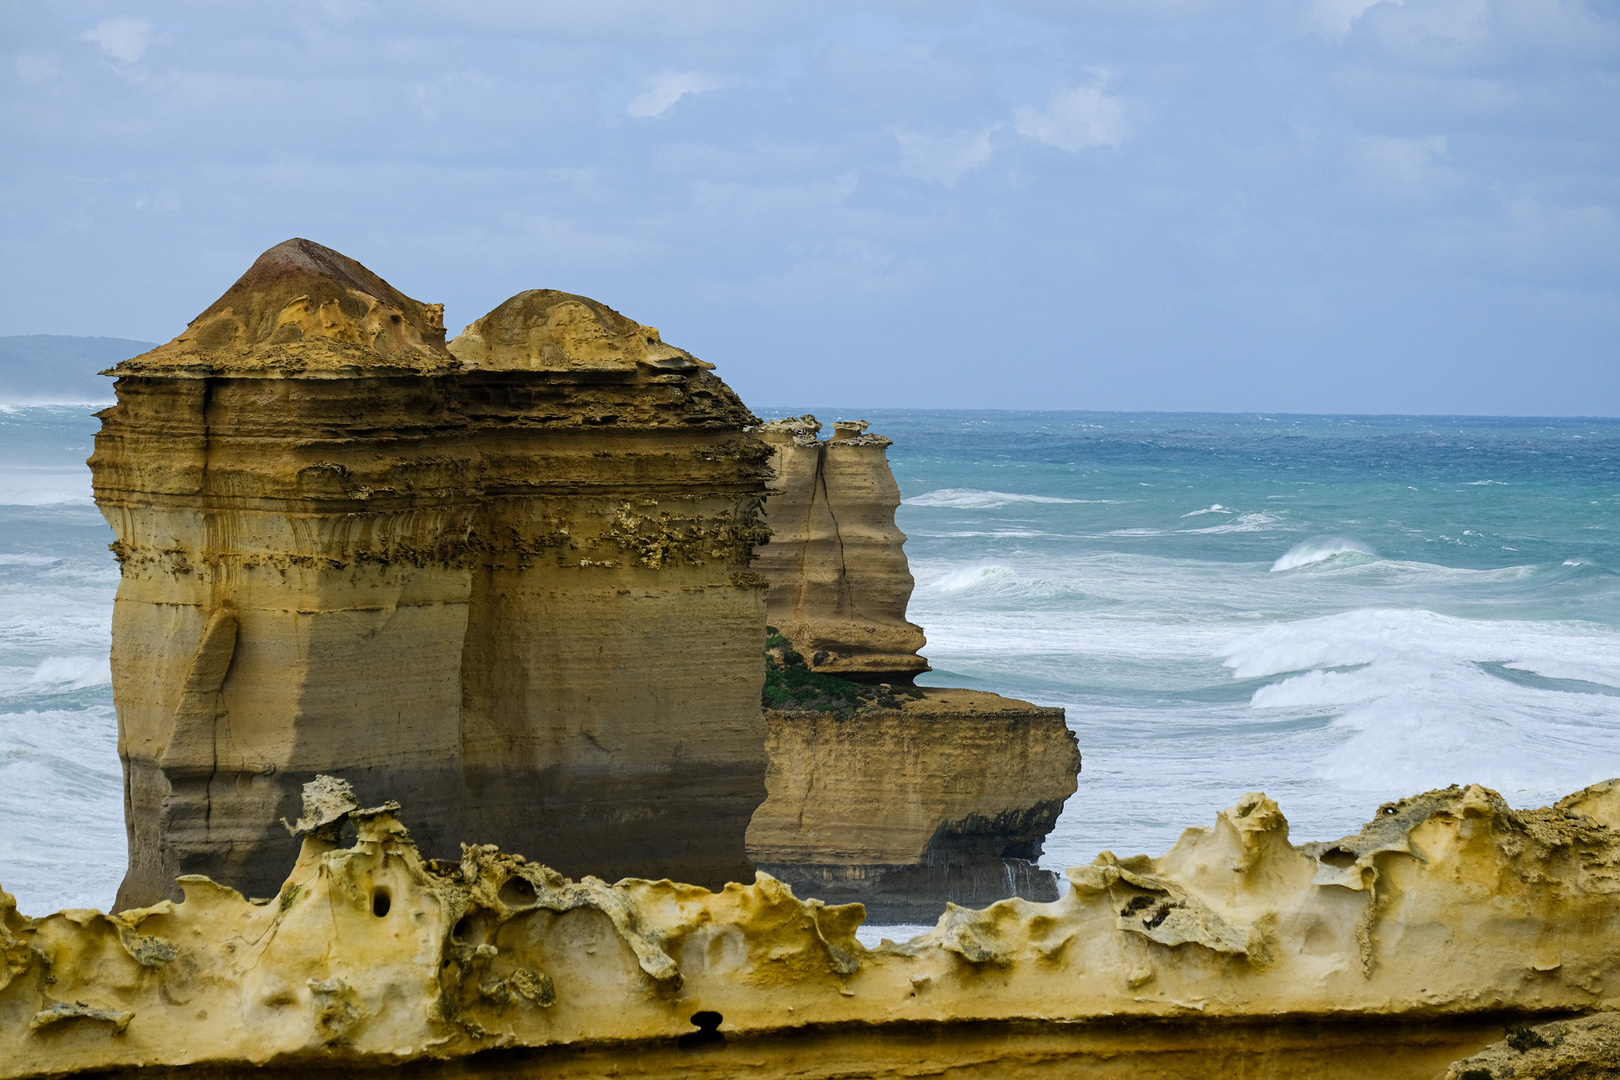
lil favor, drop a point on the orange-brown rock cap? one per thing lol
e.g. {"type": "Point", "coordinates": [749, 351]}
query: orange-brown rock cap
{"type": "Point", "coordinates": [305, 310]}
{"type": "Point", "coordinates": [550, 330]}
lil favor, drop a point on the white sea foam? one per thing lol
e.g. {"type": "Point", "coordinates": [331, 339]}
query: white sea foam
{"type": "Point", "coordinates": [872, 935]}
{"type": "Point", "coordinates": [73, 672]}
{"type": "Point", "coordinates": [975, 499]}
{"type": "Point", "coordinates": [1255, 522]}
{"type": "Point", "coordinates": [1420, 708]}
{"type": "Point", "coordinates": [24, 486]}
{"type": "Point", "coordinates": [1319, 550]}
{"type": "Point", "coordinates": [28, 560]}
{"type": "Point", "coordinates": [1217, 508]}
{"type": "Point", "coordinates": [61, 800]}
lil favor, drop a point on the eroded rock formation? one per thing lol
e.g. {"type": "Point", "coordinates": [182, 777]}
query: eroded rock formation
{"type": "Point", "coordinates": [935, 796]}
{"type": "Point", "coordinates": [1388, 954]}
{"type": "Point", "coordinates": [1587, 1048]}
{"type": "Point", "coordinates": [838, 573]}
{"type": "Point", "coordinates": [506, 580]}
{"type": "Point", "coordinates": [945, 796]}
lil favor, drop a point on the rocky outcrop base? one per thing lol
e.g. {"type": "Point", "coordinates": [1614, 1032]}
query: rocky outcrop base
{"type": "Point", "coordinates": [941, 797]}
{"type": "Point", "coordinates": [1385, 954]}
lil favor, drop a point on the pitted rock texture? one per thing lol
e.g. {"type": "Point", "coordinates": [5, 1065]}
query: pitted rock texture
{"type": "Point", "coordinates": [946, 796]}
{"type": "Point", "coordinates": [308, 310]}
{"type": "Point", "coordinates": [513, 590]}
{"type": "Point", "coordinates": [1235, 948]}
{"type": "Point", "coordinates": [1587, 1048]}
{"type": "Point", "coordinates": [839, 582]}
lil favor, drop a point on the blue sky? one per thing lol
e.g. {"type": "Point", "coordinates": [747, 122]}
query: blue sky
{"type": "Point", "coordinates": [1325, 205]}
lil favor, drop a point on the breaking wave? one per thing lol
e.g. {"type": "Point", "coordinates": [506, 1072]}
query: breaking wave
{"type": "Point", "coordinates": [975, 499]}
{"type": "Point", "coordinates": [1320, 550]}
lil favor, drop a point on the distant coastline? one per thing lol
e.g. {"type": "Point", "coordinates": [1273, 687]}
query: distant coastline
{"type": "Point", "coordinates": [57, 369]}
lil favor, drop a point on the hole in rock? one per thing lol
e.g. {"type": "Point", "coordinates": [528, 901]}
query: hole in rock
{"type": "Point", "coordinates": [1137, 903]}
{"type": "Point", "coordinates": [1338, 857]}
{"type": "Point", "coordinates": [707, 1033]}
{"type": "Point", "coordinates": [380, 902]}
{"type": "Point", "coordinates": [517, 892]}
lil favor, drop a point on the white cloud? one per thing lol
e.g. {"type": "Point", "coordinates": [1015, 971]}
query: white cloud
{"type": "Point", "coordinates": [666, 90]}
{"type": "Point", "coordinates": [1075, 118]}
{"type": "Point", "coordinates": [1335, 17]}
{"type": "Point", "coordinates": [36, 67]}
{"type": "Point", "coordinates": [121, 38]}
{"type": "Point", "coordinates": [944, 159]}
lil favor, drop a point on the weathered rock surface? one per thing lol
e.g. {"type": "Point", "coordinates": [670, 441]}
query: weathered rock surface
{"type": "Point", "coordinates": [839, 581]}
{"type": "Point", "coordinates": [943, 797]}
{"type": "Point", "coordinates": [506, 580]}
{"type": "Point", "coordinates": [1587, 1048]}
{"type": "Point", "coordinates": [1386, 954]}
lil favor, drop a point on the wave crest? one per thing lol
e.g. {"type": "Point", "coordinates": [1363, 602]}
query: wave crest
{"type": "Point", "coordinates": [1319, 550]}
{"type": "Point", "coordinates": [975, 499]}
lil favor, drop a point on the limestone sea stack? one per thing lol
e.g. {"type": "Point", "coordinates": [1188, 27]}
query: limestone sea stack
{"type": "Point", "coordinates": [506, 580]}
{"type": "Point", "coordinates": [908, 797]}
{"type": "Point", "coordinates": [839, 578]}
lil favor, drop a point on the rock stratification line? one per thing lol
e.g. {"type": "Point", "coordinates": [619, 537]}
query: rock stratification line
{"type": "Point", "coordinates": [506, 579]}
{"type": "Point", "coordinates": [912, 797]}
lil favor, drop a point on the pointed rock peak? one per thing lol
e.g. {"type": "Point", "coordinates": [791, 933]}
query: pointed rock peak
{"type": "Point", "coordinates": [547, 330]}
{"type": "Point", "coordinates": [305, 310]}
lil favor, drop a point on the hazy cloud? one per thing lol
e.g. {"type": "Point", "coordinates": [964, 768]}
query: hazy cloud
{"type": "Point", "coordinates": [121, 38]}
{"type": "Point", "coordinates": [666, 90]}
{"type": "Point", "coordinates": [1337, 16]}
{"type": "Point", "coordinates": [1423, 190]}
{"type": "Point", "coordinates": [1074, 119]}
{"type": "Point", "coordinates": [944, 159]}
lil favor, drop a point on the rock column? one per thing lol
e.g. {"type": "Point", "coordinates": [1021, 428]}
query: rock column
{"type": "Point", "coordinates": [836, 561]}
{"type": "Point", "coordinates": [512, 593]}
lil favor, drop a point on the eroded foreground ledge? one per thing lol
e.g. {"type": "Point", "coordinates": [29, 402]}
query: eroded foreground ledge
{"type": "Point", "coordinates": [1388, 953]}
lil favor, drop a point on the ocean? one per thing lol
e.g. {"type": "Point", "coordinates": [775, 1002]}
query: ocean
{"type": "Point", "coordinates": [1337, 611]}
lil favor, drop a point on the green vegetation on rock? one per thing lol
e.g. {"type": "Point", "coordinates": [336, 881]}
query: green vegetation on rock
{"type": "Point", "coordinates": [790, 685]}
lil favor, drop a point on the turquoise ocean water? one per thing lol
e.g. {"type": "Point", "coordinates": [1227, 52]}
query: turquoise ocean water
{"type": "Point", "coordinates": [1334, 610]}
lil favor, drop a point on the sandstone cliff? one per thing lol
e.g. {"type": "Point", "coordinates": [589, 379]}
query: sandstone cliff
{"type": "Point", "coordinates": [838, 573]}
{"type": "Point", "coordinates": [945, 796]}
{"type": "Point", "coordinates": [506, 579]}
{"type": "Point", "coordinates": [1387, 954]}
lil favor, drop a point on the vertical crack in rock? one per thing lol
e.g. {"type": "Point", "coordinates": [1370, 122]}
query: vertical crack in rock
{"type": "Point", "coordinates": [839, 578]}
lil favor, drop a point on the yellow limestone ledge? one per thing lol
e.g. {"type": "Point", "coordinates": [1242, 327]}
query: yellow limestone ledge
{"type": "Point", "coordinates": [1447, 904]}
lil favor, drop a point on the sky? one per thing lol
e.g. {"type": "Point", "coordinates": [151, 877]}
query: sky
{"type": "Point", "coordinates": [1366, 206]}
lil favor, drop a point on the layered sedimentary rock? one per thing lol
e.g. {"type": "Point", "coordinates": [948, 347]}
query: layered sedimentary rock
{"type": "Point", "coordinates": [1389, 953]}
{"type": "Point", "coordinates": [946, 796]}
{"type": "Point", "coordinates": [506, 580]}
{"type": "Point", "coordinates": [839, 582]}
{"type": "Point", "coordinates": [921, 798]}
